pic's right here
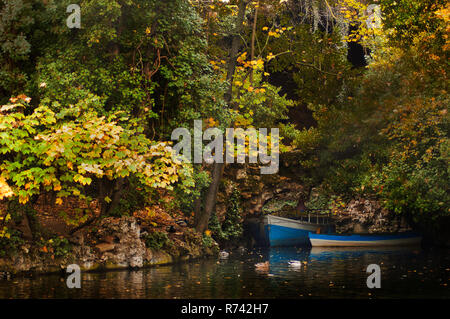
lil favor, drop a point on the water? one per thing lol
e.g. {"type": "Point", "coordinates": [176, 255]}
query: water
{"type": "Point", "coordinates": [328, 273]}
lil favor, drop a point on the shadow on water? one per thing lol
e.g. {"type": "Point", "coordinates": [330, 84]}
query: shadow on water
{"type": "Point", "coordinates": [282, 273]}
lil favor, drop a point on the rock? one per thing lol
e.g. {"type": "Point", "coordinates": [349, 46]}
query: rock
{"type": "Point", "coordinates": [136, 261]}
{"type": "Point", "coordinates": [129, 249]}
{"type": "Point", "coordinates": [4, 275]}
{"type": "Point", "coordinates": [104, 247]}
{"type": "Point", "coordinates": [170, 229]}
{"type": "Point", "coordinates": [368, 216]}
{"type": "Point", "coordinates": [77, 239]}
{"type": "Point", "coordinates": [181, 223]}
{"type": "Point", "coordinates": [241, 174]}
{"type": "Point", "coordinates": [25, 248]}
{"type": "Point", "coordinates": [108, 239]}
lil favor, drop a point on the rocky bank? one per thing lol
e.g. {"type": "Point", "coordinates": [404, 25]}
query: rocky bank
{"type": "Point", "coordinates": [118, 243]}
{"type": "Point", "coordinates": [367, 216]}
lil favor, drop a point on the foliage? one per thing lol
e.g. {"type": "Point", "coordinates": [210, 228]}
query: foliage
{"type": "Point", "coordinates": [87, 113]}
{"type": "Point", "coordinates": [389, 137]}
{"type": "Point", "coordinates": [63, 152]}
{"type": "Point", "coordinates": [5, 190]}
{"type": "Point", "coordinates": [207, 241]}
{"type": "Point", "coordinates": [57, 246]}
{"type": "Point", "coordinates": [10, 242]}
{"type": "Point", "coordinates": [156, 240]}
{"type": "Point", "coordinates": [232, 225]}
{"type": "Point", "coordinates": [277, 205]}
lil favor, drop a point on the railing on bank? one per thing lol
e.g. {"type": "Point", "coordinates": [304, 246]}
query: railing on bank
{"type": "Point", "coordinates": [314, 217]}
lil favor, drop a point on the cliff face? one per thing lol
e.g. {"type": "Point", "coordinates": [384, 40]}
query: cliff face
{"type": "Point", "coordinates": [259, 192]}
{"type": "Point", "coordinates": [367, 216]}
{"type": "Point", "coordinates": [280, 193]}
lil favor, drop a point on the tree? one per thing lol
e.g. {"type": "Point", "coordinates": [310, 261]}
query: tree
{"type": "Point", "coordinates": [63, 153]}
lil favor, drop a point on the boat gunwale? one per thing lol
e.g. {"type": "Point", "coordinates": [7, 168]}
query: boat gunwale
{"type": "Point", "coordinates": [295, 221]}
{"type": "Point", "coordinates": [363, 237]}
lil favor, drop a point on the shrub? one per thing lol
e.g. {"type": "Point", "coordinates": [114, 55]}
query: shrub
{"type": "Point", "coordinates": [156, 240]}
{"type": "Point", "coordinates": [62, 153]}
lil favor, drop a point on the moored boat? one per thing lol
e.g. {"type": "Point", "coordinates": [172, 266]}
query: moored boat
{"type": "Point", "coordinates": [356, 240]}
{"type": "Point", "coordinates": [281, 231]}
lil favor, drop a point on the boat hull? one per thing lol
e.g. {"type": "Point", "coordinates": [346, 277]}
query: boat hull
{"type": "Point", "coordinates": [322, 240]}
{"type": "Point", "coordinates": [288, 232]}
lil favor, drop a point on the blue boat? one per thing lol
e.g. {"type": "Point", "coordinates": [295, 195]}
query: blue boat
{"type": "Point", "coordinates": [281, 231]}
{"type": "Point", "coordinates": [370, 240]}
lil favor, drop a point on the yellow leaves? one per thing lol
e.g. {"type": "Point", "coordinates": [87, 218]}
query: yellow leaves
{"type": "Point", "coordinates": [208, 233]}
{"type": "Point", "coordinates": [82, 180]}
{"type": "Point", "coordinates": [5, 190]}
{"type": "Point", "coordinates": [265, 28]}
{"type": "Point", "coordinates": [434, 57]}
{"type": "Point", "coordinates": [242, 57]}
{"type": "Point", "coordinates": [258, 64]}
{"type": "Point", "coordinates": [4, 232]}
{"type": "Point", "coordinates": [270, 56]}
{"type": "Point", "coordinates": [7, 107]}
{"type": "Point", "coordinates": [215, 65]}
{"type": "Point", "coordinates": [24, 199]}
{"type": "Point", "coordinates": [90, 168]}
{"type": "Point", "coordinates": [101, 145]}
{"type": "Point", "coordinates": [5, 219]}
{"type": "Point", "coordinates": [59, 201]}
{"type": "Point", "coordinates": [444, 13]}
{"type": "Point", "coordinates": [148, 30]}
{"type": "Point", "coordinates": [210, 122]}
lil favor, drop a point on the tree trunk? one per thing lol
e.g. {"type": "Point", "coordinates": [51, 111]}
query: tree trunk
{"type": "Point", "coordinates": [301, 207]}
{"type": "Point", "coordinates": [119, 188]}
{"type": "Point", "coordinates": [252, 56]}
{"type": "Point", "coordinates": [211, 197]}
{"type": "Point", "coordinates": [217, 171]}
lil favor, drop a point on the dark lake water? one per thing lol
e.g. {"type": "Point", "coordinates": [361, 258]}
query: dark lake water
{"type": "Point", "coordinates": [326, 273]}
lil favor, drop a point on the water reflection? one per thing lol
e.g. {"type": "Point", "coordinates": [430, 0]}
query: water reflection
{"type": "Point", "coordinates": [290, 273]}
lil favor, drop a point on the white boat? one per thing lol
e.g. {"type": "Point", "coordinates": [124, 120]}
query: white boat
{"type": "Point", "coordinates": [370, 240]}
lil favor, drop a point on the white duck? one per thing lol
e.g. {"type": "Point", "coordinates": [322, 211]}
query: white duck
{"type": "Point", "coordinates": [296, 264]}
{"type": "Point", "coordinates": [224, 255]}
